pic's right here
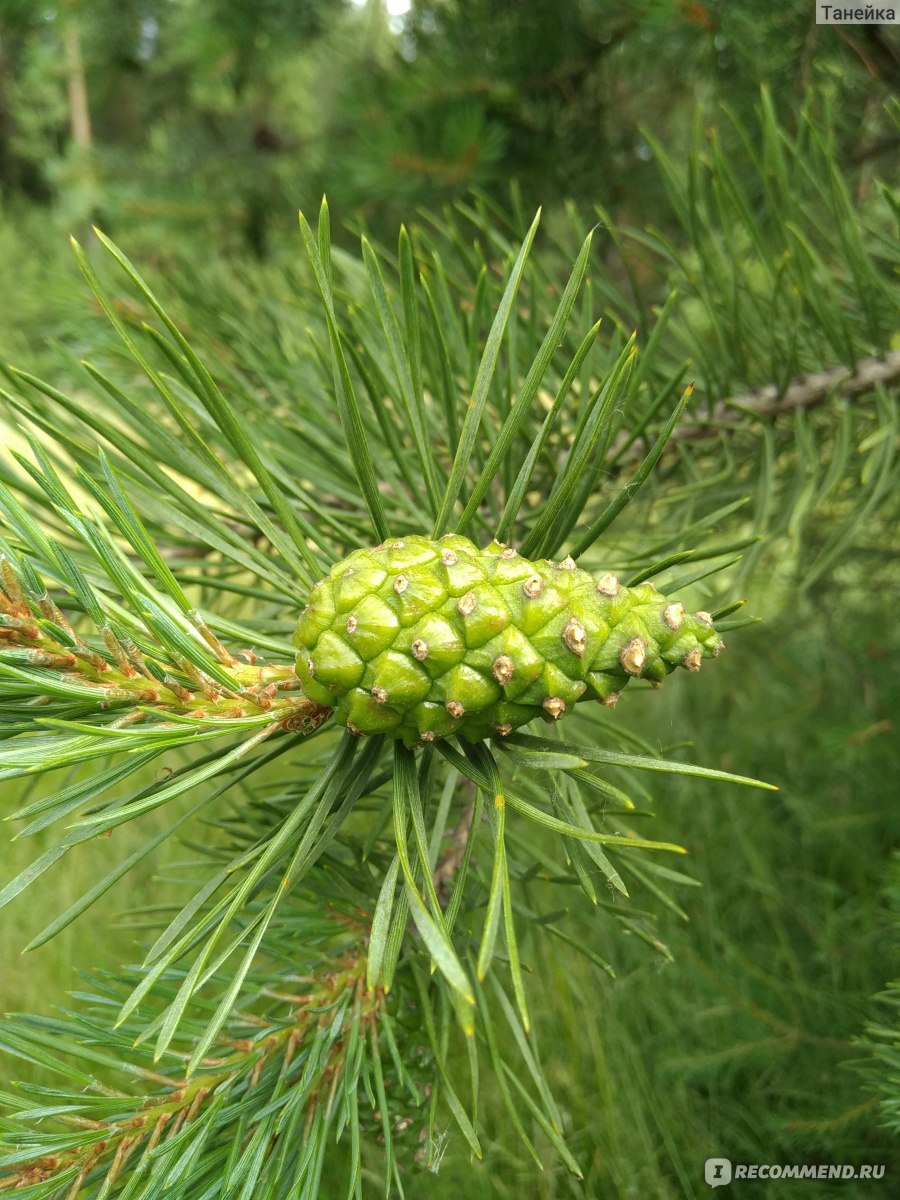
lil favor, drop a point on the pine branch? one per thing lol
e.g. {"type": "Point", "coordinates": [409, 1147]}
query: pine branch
{"type": "Point", "coordinates": [306, 1065]}
{"type": "Point", "coordinates": [153, 677]}
{"type": "Point", "coordinates": [864, 376]}
{"type": "Point", "coordinates": [450, 385]}
{"type": "Point", "coordinates": [807, 391]}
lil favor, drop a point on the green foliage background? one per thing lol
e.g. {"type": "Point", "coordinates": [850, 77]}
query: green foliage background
{"type": "Point", "coordinates": [758, 1035]}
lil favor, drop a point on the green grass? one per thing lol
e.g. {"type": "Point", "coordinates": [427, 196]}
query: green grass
{"type": "Point", "coordinates": [103, 937]}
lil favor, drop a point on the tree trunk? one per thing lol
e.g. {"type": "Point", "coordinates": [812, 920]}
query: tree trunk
{"type": "Point", "coordinates": [79, 113]}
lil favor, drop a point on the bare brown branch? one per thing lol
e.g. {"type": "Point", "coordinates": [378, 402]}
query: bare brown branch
{"type": "Point", "coordinates": [805, 392]}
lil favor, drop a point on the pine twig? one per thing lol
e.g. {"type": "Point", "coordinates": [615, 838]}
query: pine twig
{"type": "Point", "coordinates": [806, 391]}
{"type": "Point", "coordinates": [148, 1120]}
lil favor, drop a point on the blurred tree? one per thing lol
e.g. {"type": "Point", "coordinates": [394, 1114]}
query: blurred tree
{"type": "Point", "coordinates": [557, 95]}
{"type": "Point", "coordinates": [76, 84]}
{"type": "Point", "coordinates": [19, 172]}
{"type": "Point", "coordinates": [176, 99]}
{"type": "Point", "coordinates": [220, 117]}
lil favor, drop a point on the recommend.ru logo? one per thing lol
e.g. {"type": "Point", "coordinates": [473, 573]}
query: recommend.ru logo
{"type": "Point", "coordinates": [719, 1171]}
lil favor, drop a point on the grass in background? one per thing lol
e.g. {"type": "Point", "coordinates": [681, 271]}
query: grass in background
{"type": "Point", "coordinates": [102, 938]}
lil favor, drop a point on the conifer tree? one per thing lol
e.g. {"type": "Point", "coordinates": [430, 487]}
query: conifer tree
{"type": "Point", "coordinates": [453, 440]}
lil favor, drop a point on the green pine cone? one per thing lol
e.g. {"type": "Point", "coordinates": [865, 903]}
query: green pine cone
{"type": "Point", "coordinates": [420, 639]}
